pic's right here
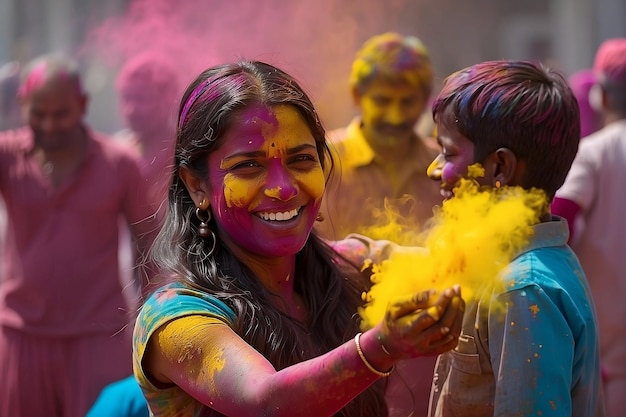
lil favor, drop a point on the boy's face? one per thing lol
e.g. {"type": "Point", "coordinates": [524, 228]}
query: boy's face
{"type": "Point", "coordinates": [457, 154]}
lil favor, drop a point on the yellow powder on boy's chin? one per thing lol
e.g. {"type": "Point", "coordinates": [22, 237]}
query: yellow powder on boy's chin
{"type": "Point", "coordinates": [472, 238]}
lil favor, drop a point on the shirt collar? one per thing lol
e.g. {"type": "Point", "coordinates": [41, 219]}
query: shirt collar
{"type": "Point", "coordinates": [547, 234]}
{"type": "Point", "coordinates": [357, 152]}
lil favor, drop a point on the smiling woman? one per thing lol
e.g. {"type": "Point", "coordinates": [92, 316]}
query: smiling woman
{"type": "Point", "coordinates": [261, 316]}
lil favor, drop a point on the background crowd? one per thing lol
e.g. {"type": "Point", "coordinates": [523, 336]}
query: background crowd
{"type": "Point", "coordinates": [87, 215]}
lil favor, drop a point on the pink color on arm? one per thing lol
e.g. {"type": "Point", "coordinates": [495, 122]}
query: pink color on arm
{"type": "Point", "coordinates": [568, 210]}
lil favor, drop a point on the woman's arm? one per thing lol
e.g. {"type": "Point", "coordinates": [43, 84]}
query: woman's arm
{"type": "Point", "coordinates": [205, 358]}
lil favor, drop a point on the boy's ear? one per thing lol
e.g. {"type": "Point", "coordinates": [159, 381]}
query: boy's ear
{"type": "Point", "coordinates": [505, 168]}
{"type": "Point", "coordinates": [196, 187]}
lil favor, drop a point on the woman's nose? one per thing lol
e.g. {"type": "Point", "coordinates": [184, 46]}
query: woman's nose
{"type": "Point", "coordinates": [280, 184]}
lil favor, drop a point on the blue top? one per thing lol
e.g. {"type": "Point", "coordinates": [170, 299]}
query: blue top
{"type": "Point", "coordinates": [122, 398]}
{"type": "Point", "coordinates": [531, 350]}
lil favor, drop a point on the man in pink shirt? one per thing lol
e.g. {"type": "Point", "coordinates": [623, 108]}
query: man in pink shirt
{"type": "Point", "coordinates": [63, 313]}
{"type": "Point", "coordinates": [593, 201]}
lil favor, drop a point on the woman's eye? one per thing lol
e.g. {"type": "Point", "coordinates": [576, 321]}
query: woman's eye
{"type": "Point", "coordinates": [303, 161]}
{"type": "Point", "coordinates": [300, 158]}
{"type": "Point", "coordinates": [245, 166]}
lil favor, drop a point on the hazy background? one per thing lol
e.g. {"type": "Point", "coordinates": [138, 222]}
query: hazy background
{"type": "Point", "coordinates": [315, 40]}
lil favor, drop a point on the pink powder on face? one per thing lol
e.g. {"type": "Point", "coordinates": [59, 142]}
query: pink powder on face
{"type": "Point", "coordinates": [450, 173]}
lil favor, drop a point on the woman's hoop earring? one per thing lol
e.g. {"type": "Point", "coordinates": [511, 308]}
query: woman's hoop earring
{"type": "Point", "coordinates": [205, 218]}
{"type": "Point", "coordinates": [203, 228]}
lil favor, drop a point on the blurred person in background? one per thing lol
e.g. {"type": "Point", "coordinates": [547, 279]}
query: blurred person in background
{"type": "Point", "coordinates": [62, 311]}
{"type": "Point", "coordinates": [383, 162]}
{"type": "Point", "coordinates": [148, 88]}
{"type": "Point", "coordinates": [9, 118]}
{"type": "Point", "coordinates": [581, 83]}
{"type": "Point", "coordinates": [593, 201]}
{"type": "Point", "coordinates": [9, 108]}
{"type": "Point", "coordinates": [381, 155]}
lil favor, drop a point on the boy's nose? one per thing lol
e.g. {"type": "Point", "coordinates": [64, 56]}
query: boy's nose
{"type": "Point", "coordinates": [434, 169]}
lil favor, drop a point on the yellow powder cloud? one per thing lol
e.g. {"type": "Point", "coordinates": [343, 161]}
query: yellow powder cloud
{"type": "Point", "coordinates": [472, 238]}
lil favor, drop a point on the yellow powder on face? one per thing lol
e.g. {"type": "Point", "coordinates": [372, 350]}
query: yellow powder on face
{"type": "Point", "coordinates": [238, 191]}
{"type": "Point", "coordinates": [473, 237]}
{"type": "Point", "coordinates": [285, 130]}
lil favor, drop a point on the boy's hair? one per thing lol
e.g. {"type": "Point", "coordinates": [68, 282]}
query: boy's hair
{"type": "Point", "coordinates": [519, 105]}
{"type": "Point", "coordinates": [393, 57]}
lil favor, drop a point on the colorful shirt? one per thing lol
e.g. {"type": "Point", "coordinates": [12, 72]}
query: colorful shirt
{"type": "Point", "coordinates": [60, 258]}
{"type": "Point", "coordinates": [170, 302]}
{"type": "Point", "coordinates": [531, 351]}
{"type": "Point", "coordinates": [355, 196]}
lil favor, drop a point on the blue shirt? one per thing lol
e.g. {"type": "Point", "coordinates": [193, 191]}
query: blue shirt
{"type": "Point", "coordinates": [122, 398]}
{"type": "Point", "coordinates": [531, 350]}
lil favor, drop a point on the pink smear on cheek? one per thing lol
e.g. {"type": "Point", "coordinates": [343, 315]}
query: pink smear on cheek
{"type": "Point", "coordinates": [450, 174]}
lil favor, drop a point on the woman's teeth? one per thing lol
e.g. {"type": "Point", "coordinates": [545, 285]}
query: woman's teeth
{"type": "Point", "coordinates": [287, 215]}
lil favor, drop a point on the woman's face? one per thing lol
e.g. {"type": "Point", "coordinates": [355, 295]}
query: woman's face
{"type": "Point", "coordinates": [266, 182]}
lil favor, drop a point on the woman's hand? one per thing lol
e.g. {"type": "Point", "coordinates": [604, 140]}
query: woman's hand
{"type": "Point", "coordinates": [422, 325]}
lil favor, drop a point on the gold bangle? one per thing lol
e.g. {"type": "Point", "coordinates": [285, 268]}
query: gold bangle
{"type": "Point", "coordinates": [357, 342]}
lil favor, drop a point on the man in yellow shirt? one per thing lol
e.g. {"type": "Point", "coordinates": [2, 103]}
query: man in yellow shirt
{"type": "Point", "coordinates": [380, 154]}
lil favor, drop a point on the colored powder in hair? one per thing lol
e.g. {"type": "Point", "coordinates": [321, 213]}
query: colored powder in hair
{"type": "Point", "coordinates": [35, 79]}
{"type": "Point", "coordinates": [610, 61]}
{"type": "Point", "coordinates": [472, 239]}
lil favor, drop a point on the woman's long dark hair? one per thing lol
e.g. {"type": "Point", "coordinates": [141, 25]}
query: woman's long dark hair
{"type": "Point", "coordinates": [329, 285]}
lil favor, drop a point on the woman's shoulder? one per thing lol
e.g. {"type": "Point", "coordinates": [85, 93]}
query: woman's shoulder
{"type": "Point", "coordinates": [179, 298]}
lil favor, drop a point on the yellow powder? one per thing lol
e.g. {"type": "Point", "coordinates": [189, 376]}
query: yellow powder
{"type": "Point", "coordinates": [472, 238]}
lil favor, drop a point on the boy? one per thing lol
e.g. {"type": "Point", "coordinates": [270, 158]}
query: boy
{"type": "Point", "coordinates": [540, 355]}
